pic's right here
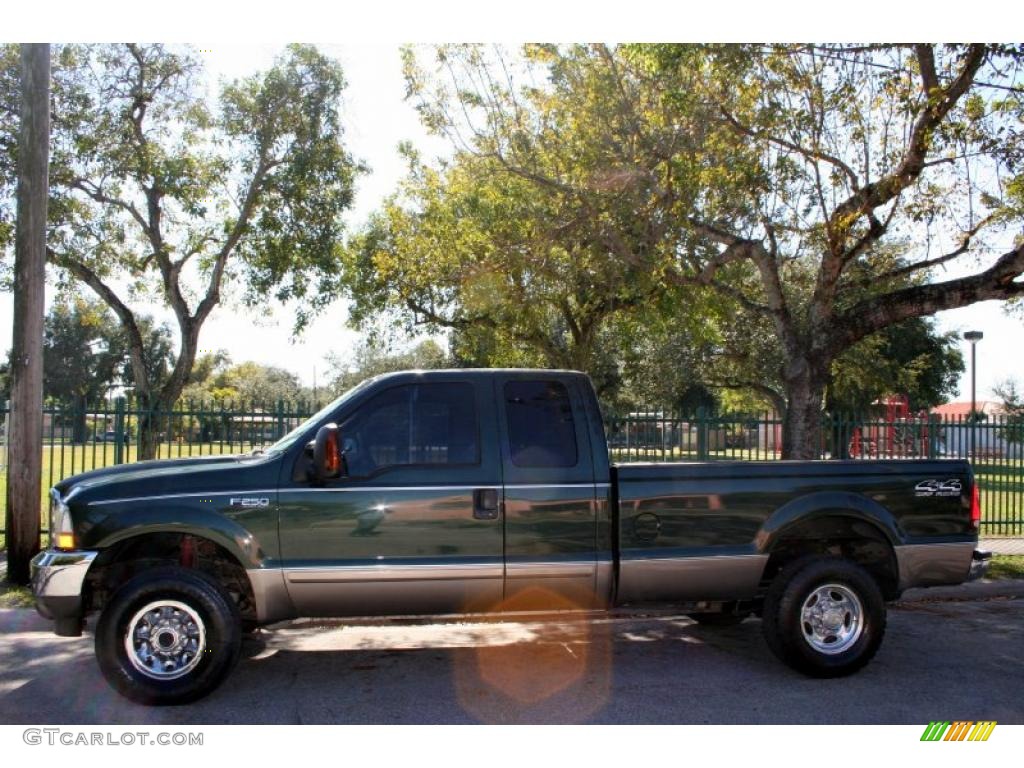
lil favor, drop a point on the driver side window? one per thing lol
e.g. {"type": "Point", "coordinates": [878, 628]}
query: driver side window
{"type": "Point", "coordinates": [413, 425]}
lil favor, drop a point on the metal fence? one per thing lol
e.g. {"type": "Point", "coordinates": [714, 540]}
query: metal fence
{"type": "Point", "coordinates": [105, 434]}
{"type": "Point", "coordinates": [995, 445]}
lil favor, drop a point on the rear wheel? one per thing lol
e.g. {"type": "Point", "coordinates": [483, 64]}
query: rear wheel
{"type": "Point", "coordinates": [168, 636]}
{"type": "Point", "coordinates": [824, 616]}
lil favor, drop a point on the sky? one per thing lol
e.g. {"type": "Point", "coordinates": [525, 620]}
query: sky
{"type": "Point", "coordinates": [376, 119]}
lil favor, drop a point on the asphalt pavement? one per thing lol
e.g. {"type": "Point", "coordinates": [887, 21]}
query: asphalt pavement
{"type": "Point", "coordinates": [944, 658]}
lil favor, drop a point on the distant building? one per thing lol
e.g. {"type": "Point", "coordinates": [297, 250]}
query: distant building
{"type": "Point", "coordinates": [962, 409]}
{"type": "Point", "coordinates": [989, 436]}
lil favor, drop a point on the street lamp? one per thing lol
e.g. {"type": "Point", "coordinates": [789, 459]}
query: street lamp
{"type": "Point", "coordinates": [974, 337]}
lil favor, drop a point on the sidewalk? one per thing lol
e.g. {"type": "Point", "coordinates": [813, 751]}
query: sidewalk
{"type": "Point", "coordinates": [1003, 546]}
{"type": "Point", "coordinates": [983, 589]}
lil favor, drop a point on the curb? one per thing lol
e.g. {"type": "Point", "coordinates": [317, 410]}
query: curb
{"type": "Point", "coordinates": [983, 589]}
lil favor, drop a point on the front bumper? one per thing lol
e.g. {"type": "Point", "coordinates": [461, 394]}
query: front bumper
{"type": "Point", "coordinates": [979, 564]}
{"type": "Point", "coordinates": [57, 580]}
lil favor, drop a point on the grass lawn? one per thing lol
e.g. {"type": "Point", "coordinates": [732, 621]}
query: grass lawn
{"type": "Point", "coordinates": [64, 460]}
{"type": "Point", "coordinates": [1006, 567]}
{"type": "Point", "coordinates": [12, 596]}
{"type": "Point", "coordinates": [1002, 497]}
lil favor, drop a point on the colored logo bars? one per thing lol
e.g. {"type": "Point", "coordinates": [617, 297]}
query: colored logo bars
{"type": "Point", "coordinates": [961, 730]}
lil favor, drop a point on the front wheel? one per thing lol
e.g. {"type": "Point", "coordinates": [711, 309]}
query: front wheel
{"type": "Point", "coordinates": [824, 616]}
{"type": "Point", "coordinates": [168, 636]}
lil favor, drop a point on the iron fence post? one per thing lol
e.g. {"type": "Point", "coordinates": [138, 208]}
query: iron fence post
{"type": "Point", "coordinates": [702, 433]}
{"type": "Point", "coordinates": [119, 431]}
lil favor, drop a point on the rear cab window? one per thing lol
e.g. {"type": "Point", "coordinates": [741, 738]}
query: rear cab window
{"type": "Point", "coordinates": [541, 427]}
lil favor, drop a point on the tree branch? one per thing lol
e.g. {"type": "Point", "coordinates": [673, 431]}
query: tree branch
{"type": "Point", "coordinates": [252, 194]}
{"type": "Point", "coordinates": [960, 250]}
{"type": "Point", "coordinates": [97, 194]}
{"type": "Point", "coordinates": [812, 154]}
{"type": "Point", "coordinates": [940, 102]}
{"type": "Point", "coordinates": [136, 346]}
{"type": "Point", "coordinates": [874, 314]}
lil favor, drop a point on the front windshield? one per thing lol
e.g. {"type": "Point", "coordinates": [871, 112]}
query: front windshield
{"type": "Point", "coordinates": [288, 440]}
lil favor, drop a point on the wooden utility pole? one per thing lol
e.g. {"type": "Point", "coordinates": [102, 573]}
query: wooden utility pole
{"type": "Point", "coordinates": [25, 437]}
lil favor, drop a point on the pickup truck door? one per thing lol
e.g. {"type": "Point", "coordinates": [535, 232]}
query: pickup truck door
{"type": "Point", "coordinates": [415, 526]}
{"type": "Point", "coordinates": [551, 506]}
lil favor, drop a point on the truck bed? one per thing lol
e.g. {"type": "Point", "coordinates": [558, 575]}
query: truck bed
{"type": "Point", "coordinates": [703, 530]}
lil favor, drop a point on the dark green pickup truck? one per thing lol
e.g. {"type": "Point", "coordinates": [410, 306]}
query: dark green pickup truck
{"type": "Point", "coordinates": [466, 491]}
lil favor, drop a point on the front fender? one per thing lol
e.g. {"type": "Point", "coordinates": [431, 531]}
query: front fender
{"type": "Point", "coordinates": [184, 518]}
{"type": "Point", "coordinates": [824, 504]}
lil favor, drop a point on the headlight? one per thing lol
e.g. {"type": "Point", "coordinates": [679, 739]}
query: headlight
{"type": "Point", "coordinates": [62, 532]}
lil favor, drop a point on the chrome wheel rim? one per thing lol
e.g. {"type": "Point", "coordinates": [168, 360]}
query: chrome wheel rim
{"type": "Point", "coordinates": [165, 640]}
{"type": "Point", "coordinates": [832, 619]}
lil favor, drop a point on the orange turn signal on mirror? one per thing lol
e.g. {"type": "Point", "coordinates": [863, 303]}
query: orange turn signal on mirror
{"type": "Point", "coordinates": [65, 541]}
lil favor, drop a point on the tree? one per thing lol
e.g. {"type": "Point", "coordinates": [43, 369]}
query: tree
{"type": "Point", "coordinates": [910, 358]}
{"type": "Point", "coordinates": [520, 278]}
{"type": "Point", "coordinates": [371, 359]}
{"type": "Point", "coordinates": [820, 189]}
{"type": "Point", "coordinates": [853, 150]}
{"type": "Point", "coordinates": [257, 384]}
{"type": "Point", "coordinates": [216, 378]}
{"type": "Point", "coordinates": [161, 195]}
{"type": "Point", "coordinates": [83, 356]}
{"type": "Point", "coordinates": [1009, 392]}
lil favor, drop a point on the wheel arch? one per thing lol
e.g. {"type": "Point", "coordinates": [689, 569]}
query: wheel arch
{"type": "Point", "coordinates": [843, 524]}
{"type": "Point", "coordinates": [153, 547]}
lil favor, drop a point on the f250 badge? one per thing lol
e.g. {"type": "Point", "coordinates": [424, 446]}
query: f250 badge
{"type": "Point", "coordinates": [249, 501]}
{"type": "Point", "coordinates": [951, 487]}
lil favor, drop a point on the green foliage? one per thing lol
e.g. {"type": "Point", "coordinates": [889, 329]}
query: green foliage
{"type": "Point", "coordinates": [1012, 408]}
{"type": "Point", "coordinates": [801, 198]}
{"type": "Point", "coordinates": [160, 193]}
{"type": "Point", "coordinates": [910, 359]}
{"type": "Point", "coordinates": [528, 263]}
{"type": "Point", "coordinates": [216, 379]}
{"type": "Point", "coordinates": [286, 120]}
{"type": "Point", "coordinates": [83, 351]}
{"type": "Point", "coordinates": [370, 359]}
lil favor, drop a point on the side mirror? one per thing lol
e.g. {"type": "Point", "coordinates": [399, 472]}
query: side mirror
{"type": "Point", "coordinates": [327, 461]}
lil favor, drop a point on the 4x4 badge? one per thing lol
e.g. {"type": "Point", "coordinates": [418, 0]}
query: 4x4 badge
{"type": "Point", "coordinates": [951, 487]}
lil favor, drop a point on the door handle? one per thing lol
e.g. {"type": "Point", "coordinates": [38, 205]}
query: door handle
{"type": "Point", "coordinates": [485, 504]}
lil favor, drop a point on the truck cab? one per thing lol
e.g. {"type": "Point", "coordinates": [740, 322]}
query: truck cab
{"type": "Point", "coordinates": [456, 489]}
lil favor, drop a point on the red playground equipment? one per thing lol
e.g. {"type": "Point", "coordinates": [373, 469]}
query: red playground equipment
{"type": "Point", "coordinates": [900, 434]}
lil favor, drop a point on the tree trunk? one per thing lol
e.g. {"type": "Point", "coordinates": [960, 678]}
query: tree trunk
{"type": "Point", "coordinates": [26, 423]}
{"type": "Point", "coordinates": [156, 404]}
{"type": "Point", "coordinates": [802, 423]}
{"type": "Point", "coordinates": [78, 420]}
{"type": "Point", "coordinates": [148, 431]}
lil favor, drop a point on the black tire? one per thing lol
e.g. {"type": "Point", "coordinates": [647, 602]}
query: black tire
{"type": "Point", "coordinates": [200, 595]}
{"type": "Point", "coordinates": [792, 639]}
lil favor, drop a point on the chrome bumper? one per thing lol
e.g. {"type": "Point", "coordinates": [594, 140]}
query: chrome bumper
{"type": "Point", "coordinates": [57, 579]}
{"type": "Point", "coordinates": [979, 564]}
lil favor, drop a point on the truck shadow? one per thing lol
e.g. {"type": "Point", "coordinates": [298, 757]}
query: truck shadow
{"type": "Point", "coordinates": [960, 658]}
{"type": "Point", "coordinates": [552, 671]}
